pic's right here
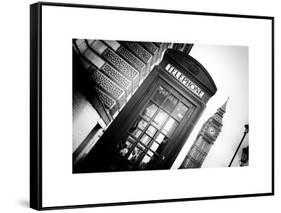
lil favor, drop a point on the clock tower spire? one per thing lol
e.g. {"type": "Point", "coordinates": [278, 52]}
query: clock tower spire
{"type": "Point", "coordinates": [205, 139]}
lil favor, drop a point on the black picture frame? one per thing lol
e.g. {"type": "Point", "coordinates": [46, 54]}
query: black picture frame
{"type": "Point", "coordinates": [36, 103]}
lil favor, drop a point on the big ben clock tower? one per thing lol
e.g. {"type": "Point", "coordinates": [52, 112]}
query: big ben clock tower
{"type": "Point", "coordinates": [205, 139]}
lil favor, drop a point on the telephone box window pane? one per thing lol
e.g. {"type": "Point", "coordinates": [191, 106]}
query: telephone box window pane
{"type": "Point", "coordinates": [140, 146]}
{"type": "Point", "coordinates": [145, 161]}
{"type": "Point", "coordinates": [150, 153]}
{"type": "Point", "coordinates": [151, 131]}
{"type": "Point", "coordinates": [160, 138]}
{"type": "Point", "coordinates": [160, 118]}
{"type": "Point", "coordinates": [135, 154]}
{"type": "Point", "coordinates": [142, 124]}
{"type": "Point", "coordinates": [149, 111]}
{"type": "Point", "coordinates": [136, 133]}
{"type": "Point", "coordinates": [154, 146]}
{"type": "Point", "coordinates": [131, 140]}
{"type": "Point", "coordinates": [169, 127]}
{"type": "Point", "coordinates": [170, 103]}
{"type": "Point", "coordinates": [180, 111]}
{"type": "Point", "coordinates": [125, 147]}
{"type": "Point", "coordinates": [145, 139]}
{"type": "Point", "coordinates": [160, 95]}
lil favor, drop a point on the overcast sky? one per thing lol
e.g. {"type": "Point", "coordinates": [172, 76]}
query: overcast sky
{"type": "Point", "coordinates": [228, 66]}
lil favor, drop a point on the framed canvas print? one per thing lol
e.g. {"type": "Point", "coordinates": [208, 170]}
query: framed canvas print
{"type": "Point", "coordinates": [133, 105]}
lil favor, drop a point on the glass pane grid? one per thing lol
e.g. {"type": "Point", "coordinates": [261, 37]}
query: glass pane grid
{"type": "Point", "coordinates": [174, 112]}
{"type": "Point", "coordinates": [160, 119]}
{"type": "Point", "coordinates": [180, 111]}
{"type": "Point", "coordinates": [170, 103]}
{"type": "Point", "coordinates": [154, 126]}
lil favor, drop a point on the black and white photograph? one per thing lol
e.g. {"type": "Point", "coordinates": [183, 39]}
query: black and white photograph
{"type": "Point", "coordinates": [139, 105]}
{"type": "Point", "coordinates": [158, 106]}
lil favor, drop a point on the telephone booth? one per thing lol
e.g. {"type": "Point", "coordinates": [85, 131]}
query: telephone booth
{"type": "Point", "coordinates": [153, 126]}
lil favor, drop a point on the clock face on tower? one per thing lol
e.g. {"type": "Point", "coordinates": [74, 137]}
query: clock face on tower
{"type": "Point", "coordinates": [211, 131]}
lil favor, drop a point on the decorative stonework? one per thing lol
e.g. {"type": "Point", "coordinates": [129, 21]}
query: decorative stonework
{"type": "Point", "coordinates": [105, 99]}
{"type": "Point", "coordinates": [152, 48]}
{"type": "Point", "coordinates": [131, 58]}
{"type": "Point", "coordinates": [108, 102]}
{"type": "Point", "coordinates": [205, 139]}
{"type": "Point", "coordinates": [118, 69]}
{"type": "Point", "coordinates": [109, 86]}
{"type": "Point", "coordinates": [138, 50]}
{"type": "Point", "coordinates": [117, 77]}
{"type": "Point", "coordinates": [120, 64]}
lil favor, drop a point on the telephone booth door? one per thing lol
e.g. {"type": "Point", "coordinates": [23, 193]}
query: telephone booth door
{"type": "Point", "coordinates": [154, 131]}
